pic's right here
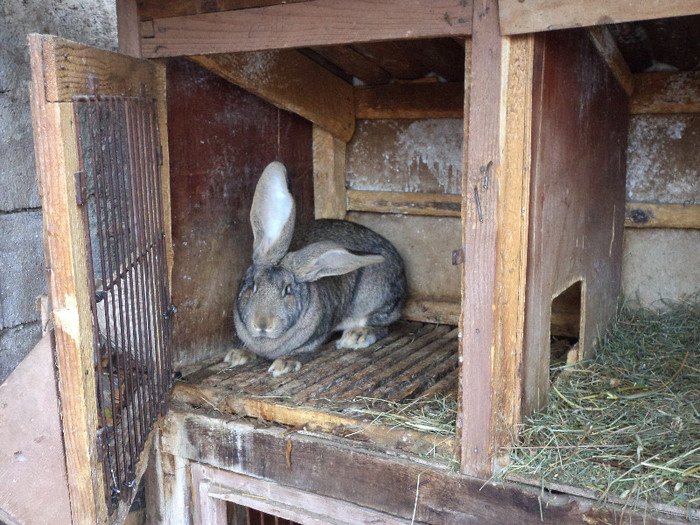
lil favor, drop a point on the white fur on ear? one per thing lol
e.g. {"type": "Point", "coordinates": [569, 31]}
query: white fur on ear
{"type": "Point", "coordinates": [279, 201]}
{"type": "Point", "coordinates": [272, 215]}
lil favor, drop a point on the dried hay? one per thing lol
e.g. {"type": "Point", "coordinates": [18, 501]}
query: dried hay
{"type": "Point", "coordinates": [625, 425]}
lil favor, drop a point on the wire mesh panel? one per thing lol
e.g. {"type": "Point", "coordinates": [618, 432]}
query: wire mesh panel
{"type": "Point", "coordinates": [119, 191]}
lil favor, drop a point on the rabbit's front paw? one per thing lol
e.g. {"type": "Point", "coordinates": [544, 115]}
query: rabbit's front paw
{"type": "Point", "coordinates": [284, 365]}
{"type": "Point", "coordinates": [239, 356]}
{"type": "Point", "coordinates": [360, 337]}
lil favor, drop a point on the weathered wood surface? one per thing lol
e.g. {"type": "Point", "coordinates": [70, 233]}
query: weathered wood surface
{"type": "Point", "coordinates": [302, 24]}
{"type": "Point", "coordinates": [650, 215]}
{"type": "Point", "coordinates": [288, 79]}
{"type": "Point", "coordinates": [336, 468]}
{"type": "Point", "coordinates": [412, 100]}
{"type": "Point", "coordinates": [433, 204]}
{"type": "Point", "coordinates": [331, 390]}
{"type": "Point", "coordinates": [495, 200]}
{"type": "Point", "coordinates": [577, 210]}
{"type": "Point", "coordinates": [545, 15]}
{"type": "Point", "coordinates": [216, 485]}
{"type": "Point", "coordinates": [65, 252]}
{"type": "Point", "coordinates": [213, 177]}
{"type": "Point", "coordinates": [33, 483]}
{"type": "Point", "coordinates": [148, 9]}
{"type": "Point", "coordinates": [676, 92]}
{"type": "Point", "coordinates": [330, 201]}
{"type": "Point", "coordinates": [604, 42]}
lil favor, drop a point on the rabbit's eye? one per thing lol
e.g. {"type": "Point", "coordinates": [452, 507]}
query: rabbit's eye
{"type": "Point", "coordinates": [287, 290]}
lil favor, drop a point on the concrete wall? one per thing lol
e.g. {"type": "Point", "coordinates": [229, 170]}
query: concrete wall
{"type": "Point", "coordinates": [21, 252]}
{"type": "Point", "coordinates": [662, 166]}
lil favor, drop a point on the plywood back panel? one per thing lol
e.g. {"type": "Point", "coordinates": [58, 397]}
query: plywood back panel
{"type": "Point", "coordinates": [222, 138]}
{"type": "Point", "coordinates": [577, 200]}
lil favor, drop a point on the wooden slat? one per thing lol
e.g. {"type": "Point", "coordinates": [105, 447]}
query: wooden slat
{"type": "Point", "coordinates": [663, 92]}
{"type": "Point", "coordinates": [64, 242]}
{"type": "Point", "coordinates": [281, 501]}
{"type": "Point", "coordinates": [289, 80]}
{"type": "Point", "coordinates": [412, 100]}
{"type": "Point", "coordinates": [313, 23]}
{"type": "Point", "coordinates": [480, 224]}
{"type": "Point", "coordinates": [128, 33]}
{"type": "Point", "coordinates": [648, 215]}
{"type": "Point", "coordinates": [428, 311]}
{"type": "Point", "coordinates": [354, 63]}
{"type": "Point", "coordinates": [329, 175]}
{"type": "Point", "coordinates": [72, 68]}
{"type": "Point", "coordinates": [149, 9]}
{"type": "Point", "coordinates": [433, 204]}
{"type": "Point", "coordinates": [533, 16]}
{"type": "Point", "coordinates": [605, 44]}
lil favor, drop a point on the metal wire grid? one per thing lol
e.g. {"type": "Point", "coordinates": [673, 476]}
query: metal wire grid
{"type": "Point", "coordinates": [119, 191]}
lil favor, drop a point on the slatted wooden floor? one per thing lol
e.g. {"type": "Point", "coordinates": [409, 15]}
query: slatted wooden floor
{"type": "Point", "coordinates": [414, 360]}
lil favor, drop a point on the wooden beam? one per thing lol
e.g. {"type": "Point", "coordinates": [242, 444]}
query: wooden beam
{"type": "Point", "coordinates": [664, 92]}
{"type": "Point", "coordinates": [414, 100]}
{"type": "Point", "coordinates": [605, 44]}
{"type": "Point", "coordinates": [75, 69]}
{"type": "Point", "coordinates": [128, 32]}
{"type": "Point", "coordinates": [289, 80]}
{"type": "Point", "coordinates": [331, 467]}
{"type": "Point", "coordinates": [150, 9]}
{"type": "Point", "coordinates": [329, 175]}
{"type": "Point", "coordinates": [517, 16]}
{"type": "Point", "coordinates": [303, 24]}
{"type": "Point", "coordinates": [433, 204]}
{"type": "Point", "coordinates": [429, 311]}
{"type": "Point", "coordinates": [648, 215]}
{"type": "Point", "coordinates": [495, 191]}
{"type": "Point", "coordinates": [64, 243]}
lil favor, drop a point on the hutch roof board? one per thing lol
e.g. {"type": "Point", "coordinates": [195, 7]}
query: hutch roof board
{"type": "Point", "coordinates": [517, 115]}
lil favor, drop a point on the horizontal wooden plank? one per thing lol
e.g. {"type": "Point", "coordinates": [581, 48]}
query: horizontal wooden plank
{"type": "Point", "coordinates": [434, 204]}
{"type": "Point", "coordinates": [150, 9]}
{"type": "Point", "coordinates": [289, 80]}
{"type": "Point", "coordinates": [643, 215]}
{"type": "Point", "coordinates": [666, 92]}
{"type": "Point", "coordinates": [413, 100]}
{"type": "Point", "coordinates": [313, 23]}
{"type": "Point", "coordinates": [531, 16]}
{"type": "Point", "coordinates": [72, 69]}
{"type": "Point", "coordinates": [335, 468]}
{"type": "Point", "coordinates": [638, 214]}
{"type": "Point", "coordinates": [429, 311]}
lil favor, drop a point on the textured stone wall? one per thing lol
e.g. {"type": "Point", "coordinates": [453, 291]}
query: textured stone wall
{"type": "Point", "coordinates": [21, 251]}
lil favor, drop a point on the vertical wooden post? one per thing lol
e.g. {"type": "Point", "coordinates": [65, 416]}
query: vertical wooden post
{"type": "Point", "coordinates": [128, 33]}
{"type": "Point", "coordinates": [57, 161]}
{"type": "Point", "coordinates": [495, 193]}
{"type": "Point", "coordinates": [330, 201]}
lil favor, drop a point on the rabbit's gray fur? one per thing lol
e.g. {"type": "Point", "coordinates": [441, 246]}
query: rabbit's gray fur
{"type": "Point", "coordinates": [337, 275]}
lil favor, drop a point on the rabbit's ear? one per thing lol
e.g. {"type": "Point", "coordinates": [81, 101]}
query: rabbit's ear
{"type": "Point", "coordinates": [272, 215]}
{"type": "Point", "coordinates": [323, 259]}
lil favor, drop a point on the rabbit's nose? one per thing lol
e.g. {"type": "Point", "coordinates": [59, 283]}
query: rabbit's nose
{"type": "Point", "coordinates": [261, 324]}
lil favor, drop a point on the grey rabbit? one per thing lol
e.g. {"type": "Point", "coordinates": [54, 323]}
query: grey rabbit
{"type": "Point", "coordinates": [339, 275]}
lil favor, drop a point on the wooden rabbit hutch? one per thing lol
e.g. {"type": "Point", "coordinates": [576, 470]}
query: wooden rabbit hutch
{"type": "Point", "coordinates": [487, 146]}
